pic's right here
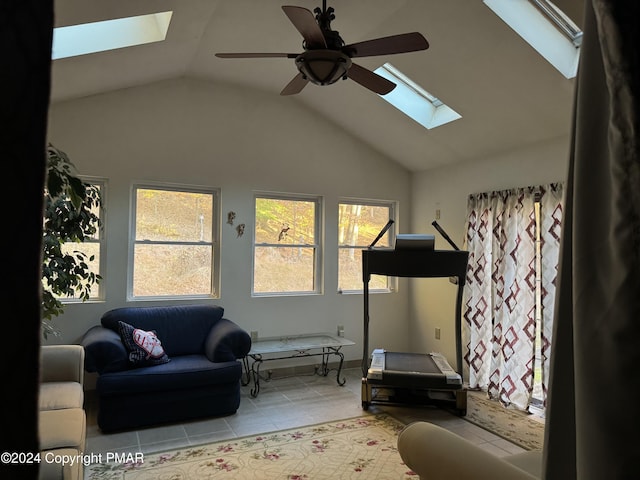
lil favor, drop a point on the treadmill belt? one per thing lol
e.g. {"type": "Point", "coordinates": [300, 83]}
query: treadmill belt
{"type": "Point", "coordinates": [411, 363]}
{"type": "Point", "coordinates": [418, 370]}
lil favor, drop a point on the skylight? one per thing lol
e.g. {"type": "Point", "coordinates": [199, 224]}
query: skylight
{"type": "Point", "coordinates": [414, 101]}
{"type": "Point", "coordinates": [543, 25]}
{"type": "Point", "coordinates": [109, 34]}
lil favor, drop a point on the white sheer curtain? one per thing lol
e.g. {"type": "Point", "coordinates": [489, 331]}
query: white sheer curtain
{"type": "Point", "coordinates": [500, 292]}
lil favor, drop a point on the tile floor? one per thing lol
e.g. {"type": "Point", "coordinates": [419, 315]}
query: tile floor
{"type": "Point", "coordinates": [282, 403]}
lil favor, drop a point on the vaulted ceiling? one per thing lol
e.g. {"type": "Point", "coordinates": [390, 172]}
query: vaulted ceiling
{"type": "Point", "coordinates": [508, 95]}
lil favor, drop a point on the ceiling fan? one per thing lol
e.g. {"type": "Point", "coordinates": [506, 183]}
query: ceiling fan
{"type": "Point", "coordinates": [326, 59]}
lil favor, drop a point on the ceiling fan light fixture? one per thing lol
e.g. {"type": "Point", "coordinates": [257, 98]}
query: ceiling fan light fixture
{"type": "Point", "coordinates": [327, 59]}
{"type": "Point", "coordinates": [323, 67]}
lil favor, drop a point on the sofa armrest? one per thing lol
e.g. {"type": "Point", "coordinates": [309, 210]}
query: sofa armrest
{"type": "Point", "coordinates": [227, 342]}
{"type": "Point", "coordinates": [62, 363]}
{"type": "Point", "coordinates": [435, 453]}
{"type": "Point", "coordinates": [104, 351]}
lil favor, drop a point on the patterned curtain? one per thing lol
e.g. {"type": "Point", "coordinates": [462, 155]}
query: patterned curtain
{"type": "Point", "coordinates": [551, 203]}
{"type": "Point", "coordinates": [500, 292]}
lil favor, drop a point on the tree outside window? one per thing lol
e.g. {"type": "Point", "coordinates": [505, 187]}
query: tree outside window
{"type": "Point", "coordinates": [286, 245]}
{"type": "Point", "coordinates": [359, 223]}
{"type": "Point", "coordinates": [175, 244]}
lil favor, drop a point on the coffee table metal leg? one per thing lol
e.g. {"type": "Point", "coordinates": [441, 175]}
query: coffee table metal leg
{"type": "Point", "coordinates": [324, 369]}
{"type": "Point", "coordinates": [344, 380]}
{"type": "Point", "coordinates": [246, 372]}
{"type": "Point", "coordinates": [255, 371]}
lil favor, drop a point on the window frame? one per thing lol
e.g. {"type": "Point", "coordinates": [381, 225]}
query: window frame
{"type": "Point", "coordinates": [392, 282]}
{"type": "Point", "coordinates": [318, 272]}
{"type": "Point", "coordinates": [216, 232]}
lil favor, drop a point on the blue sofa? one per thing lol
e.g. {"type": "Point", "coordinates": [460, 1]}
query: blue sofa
{"type": "Point", "coordinates": [191, 368]}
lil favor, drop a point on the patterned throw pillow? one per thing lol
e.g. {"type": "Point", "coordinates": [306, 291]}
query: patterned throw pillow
{"type": "Point", "coordinates": [144, 347]}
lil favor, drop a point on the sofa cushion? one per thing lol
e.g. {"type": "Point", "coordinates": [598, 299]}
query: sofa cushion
{"type": "Point", "coordinates": [56, 467]}
{"type": "Point", "coordinates": [57, 395]}
{"type": "Point", "coordinates": [144, 347]}
{"type": "Point", "coordinates": [62, 363]}
{"type": "Point", "coordinates": [183, 372]}
{"type": "Point", "coordinates": [62, 428]}
{"type": "Point", "coordinates": [182, 328]}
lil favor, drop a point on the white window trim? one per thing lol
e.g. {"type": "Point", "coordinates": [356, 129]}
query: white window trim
{"type": "Point", "coordinates": [392, 282]}
{"type": "Point", "coordinates": [318, 272]}
{"type": "Point", "coordinates": [215, 239]}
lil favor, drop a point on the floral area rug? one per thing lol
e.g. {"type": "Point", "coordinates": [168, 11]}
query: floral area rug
{"type": "Point", "coordinates": [358, 448]}
{"type": "Point", "coordinates": [519, 427]}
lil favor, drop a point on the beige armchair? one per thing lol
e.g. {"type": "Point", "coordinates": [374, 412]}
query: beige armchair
{"type": "Point", "coordinates": [62, 419]}
{"type": "Point", "coordinates": [435, 453]}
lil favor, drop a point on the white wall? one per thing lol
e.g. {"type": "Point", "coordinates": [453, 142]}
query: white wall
{"type": "Point", "coordinates": [446, 189]}
{"type": "Point", "coordinates": [194, 133]}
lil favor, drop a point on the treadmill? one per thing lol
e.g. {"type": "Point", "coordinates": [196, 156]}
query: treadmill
{"type": "Point", "coordinates": [400, 378]}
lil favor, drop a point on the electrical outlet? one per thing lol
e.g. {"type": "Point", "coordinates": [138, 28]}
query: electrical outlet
{"type": "Point", "coordinates": [437, 214]}
{"type": "Point", "coordinates": [437, 333]}
{"type": "Point", "coordinates": [341, 330]}
{"type": "Point", "coordinates": [254, 335]}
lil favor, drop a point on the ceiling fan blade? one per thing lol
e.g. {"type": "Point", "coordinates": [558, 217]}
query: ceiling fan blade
{"type": "Point", "coordinates": [295, 86]}
{"type": "Point", "coordinates": [370, 80]}
{"type": "Point", "coordinates": [256, 55]}
{"type": "Point", "coordinates": [405, 42]}
{"type": "Point", "coordinates": [306, 24]}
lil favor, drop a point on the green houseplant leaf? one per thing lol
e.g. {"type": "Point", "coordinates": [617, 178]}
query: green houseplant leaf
{"type": "Point", "coordinates": [70, 216]}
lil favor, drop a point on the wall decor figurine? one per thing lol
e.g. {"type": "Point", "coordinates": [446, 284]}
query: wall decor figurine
{"type": "Point", "coordinates": [231, 216]}
{"type": "Point", "coordinates": [240, 229]}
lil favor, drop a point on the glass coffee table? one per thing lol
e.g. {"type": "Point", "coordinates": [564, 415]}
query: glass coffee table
{"type": "Point", "coordinates": [293, 346]}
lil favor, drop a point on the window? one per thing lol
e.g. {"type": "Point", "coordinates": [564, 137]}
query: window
{"type": "Point", "coordinates": [91, 247]}
{"type": "Point", "coordinates": [286, 251]}
{"type": "Point", "coordinates": [359, 223]}
{"type": "Point", "coordinates": [86, 38]}
{"type": "Point", "coordinates": [546, 28]}
{"type": "Point", "coordinates": [175, 247]}
{"type": "Point", "coordinates": [414, 101]}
